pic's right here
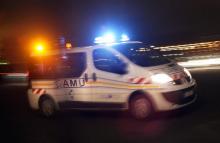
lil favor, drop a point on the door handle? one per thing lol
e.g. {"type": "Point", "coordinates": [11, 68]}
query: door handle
{"type": "Point", "coordinates": [94, 77]}
{"type": "Point", "coordinates": [86, 77]}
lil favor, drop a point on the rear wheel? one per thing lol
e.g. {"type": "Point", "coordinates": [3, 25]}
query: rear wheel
{"type": "Point", "coordinates": [47, 107]}
{"type": "Point", "coordinates": [140, 107]}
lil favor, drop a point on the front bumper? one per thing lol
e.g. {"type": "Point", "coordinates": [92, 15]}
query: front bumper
{"type": "Point", "coordinates": [181, 97]}
{"type": "Point", "coordinates": [174, 99]}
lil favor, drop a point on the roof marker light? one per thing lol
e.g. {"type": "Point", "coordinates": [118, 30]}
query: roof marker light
{"type": "Point", "coordinates": [68, 46]}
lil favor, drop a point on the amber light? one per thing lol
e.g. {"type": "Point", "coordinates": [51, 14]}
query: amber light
{"type": "Point", "coordinates": [68, 45]}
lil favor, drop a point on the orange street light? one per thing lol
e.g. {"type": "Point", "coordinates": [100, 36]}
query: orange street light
{"type": "Point", "coordinates": [39, 48]}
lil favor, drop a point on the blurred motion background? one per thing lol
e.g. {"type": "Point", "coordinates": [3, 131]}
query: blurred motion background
{"type": "Point", "coordinates": [182, 30]}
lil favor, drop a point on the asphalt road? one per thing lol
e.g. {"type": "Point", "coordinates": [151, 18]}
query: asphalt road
{"type": "Point", "coordinates": [198, 123]}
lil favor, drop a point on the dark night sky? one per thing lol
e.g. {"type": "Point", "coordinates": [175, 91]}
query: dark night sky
{"type": "Point", "coordinates": [152, 21]}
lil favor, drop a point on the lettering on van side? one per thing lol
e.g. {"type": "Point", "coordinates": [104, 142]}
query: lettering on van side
{"type": "Point", "coordinates": [70, 83]}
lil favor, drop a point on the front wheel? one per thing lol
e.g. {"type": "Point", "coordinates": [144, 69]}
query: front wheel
{"type": "Point", "coordinates": [47, 107]}
{"type": "Point", "coordinates": [140, 107]}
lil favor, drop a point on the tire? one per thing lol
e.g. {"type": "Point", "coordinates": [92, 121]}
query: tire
{"type": "Point", "coordinates": [47, 107]}
{"type": "Point", "coordinates": [140, 107]}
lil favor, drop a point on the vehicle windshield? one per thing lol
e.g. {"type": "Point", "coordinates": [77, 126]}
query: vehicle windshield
{"type": "Point", "coordinates": [141, 55]}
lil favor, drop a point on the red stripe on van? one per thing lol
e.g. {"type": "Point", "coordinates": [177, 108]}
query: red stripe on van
{"type": "Point", "coordinates": [140, 80]}
{"type": "Point", "coordinates": [39, 90]}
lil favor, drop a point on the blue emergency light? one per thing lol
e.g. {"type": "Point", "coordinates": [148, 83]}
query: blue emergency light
{"type": "Point", "coordinates": [110, 38]}
{"type": "Point", "coordinates": [124, 38]}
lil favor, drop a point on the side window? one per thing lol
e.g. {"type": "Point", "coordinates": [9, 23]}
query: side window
{"type": "Point", "coordinates": [43, 67]}
{"type": "Point", "coordinates": [105, 60]}
{"type": "Point", "coordinates": [72, 65]}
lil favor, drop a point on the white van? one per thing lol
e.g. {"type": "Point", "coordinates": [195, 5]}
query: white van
{"type": "Point", "coordinates": [123, 76]}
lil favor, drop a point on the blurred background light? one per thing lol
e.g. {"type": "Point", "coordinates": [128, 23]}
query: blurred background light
{"type": "Point", "coordinates": [201, 62]}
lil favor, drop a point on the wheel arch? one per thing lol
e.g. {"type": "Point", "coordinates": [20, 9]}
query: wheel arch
{"type": "Point", "coordinates": [46, 96]}
{"type": "Point", "coordinates": [141, 92]}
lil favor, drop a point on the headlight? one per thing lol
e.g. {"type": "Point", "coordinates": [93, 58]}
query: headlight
{"type": "Point", "coordinates": [161, 78]}
{"type": "Point", "coordinates": [187, 73]}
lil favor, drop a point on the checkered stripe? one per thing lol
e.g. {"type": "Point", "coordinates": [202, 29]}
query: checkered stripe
{"type": "Point", "coordinates": [140, 80]}
{"type": "Point", "coordinates": [38, 91]}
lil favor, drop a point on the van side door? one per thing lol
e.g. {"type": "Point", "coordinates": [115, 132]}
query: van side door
{"type": "Point", "coordinates": [110, 74]}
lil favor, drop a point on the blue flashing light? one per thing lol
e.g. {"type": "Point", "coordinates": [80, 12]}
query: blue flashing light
{"type": "Point", "coordinates": [124, 38]}
{"type": "Point", "coordinates": [107, 38]}
{"type": "Point", "coordinates": [110, 38]}
{"type": "Point", "coordinates": [98, 40]}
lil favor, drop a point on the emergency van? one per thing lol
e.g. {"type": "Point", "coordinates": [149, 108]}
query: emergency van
{"type": "Point", "coordinates": [123, 76]}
